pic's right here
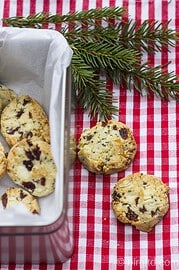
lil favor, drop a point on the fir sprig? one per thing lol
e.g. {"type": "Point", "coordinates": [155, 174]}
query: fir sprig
{"type": "Point", "coordinates": [103, 42]}
{"type": "Point", "coordinates": [91, 92]}
{"type": "Point", "coordinates": [83, 17]}
{"type": "Point", "coordinates": [149, 36]}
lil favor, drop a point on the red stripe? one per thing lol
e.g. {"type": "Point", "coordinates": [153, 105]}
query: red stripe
{"type": "Point", "coordinates": [165, 151]}
{"type": "Point", "coordinates": [85, 5]}
{"type": "Point", "coordinates": [77, 191]}
{"type": "Point", "coordinates": [91, 214]}
{"type": "Point", "coordinates": [105, 205]}
{"type": "Point", "coordinates": [136, 129]}
{"type": "Point", "coordinates": [150, 169]}
{"type": "Point", "coordinates": [58, 11]}
{"type": "Point", "coordinates": [121, 227]}
{"type": "Point", "coordinates": [58, 266]}
{"type": "Point", "coordinates": [120, 237]}
{"type": "Point", "coordinates": [28, 266]}
{"type": "Point", "coordinates": [106, 222]}
{"type": "Point", "coordinates": [112, 3]}
{"type": "Point", "coordinates": [72, 9]}
{"type": "Point", "coordinates": [98, 4]}
{"type": "Point", "coordinates": [126, 5]}
{"type": "Point", "coordinates": [59, 7]}
{"type": "Point", "coordinates": [32, 6]}
{"type": "Point", "coordinates": [150, 142]}
{"type": "Point", "coordinates": [19, 8]}
{"type": "Point", "coordinates": [136, 163]}
{"type": "Point", "coordinates": [46, 4]}
{"type": "Point", "coordinates": [12, 246]}
{"type": "Point", "coordinates": [6, 9]}
{"type": "Point", "coordinates": [72, 5]}
{"type": "Point", "coordinates": [90, 221]}
{"type": "Point", "coordinates": [11, 267]}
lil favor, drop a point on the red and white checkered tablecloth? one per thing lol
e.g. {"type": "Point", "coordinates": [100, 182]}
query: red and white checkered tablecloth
{"type": "Point", "coordinates": [101, 242]}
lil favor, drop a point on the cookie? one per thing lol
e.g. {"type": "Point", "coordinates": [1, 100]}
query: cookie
{"type": "Point", "coordinates": [30, 165]}
{"type": "Point", "coordinates": [3, 161]}
{"type": "Point", "coordinates": [24, 118]}
{"type": "Point", "coordinates": [6, 96]}
{"type": "Point", "coordinates": [107, 147]}
{"type": "Point", "coordinates": [12, 196]}
{"type": "Point", "coordinates": [140, 200]}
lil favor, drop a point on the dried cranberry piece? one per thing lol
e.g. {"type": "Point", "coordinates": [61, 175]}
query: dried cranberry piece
{"type": "Point", "coordinates": [116, 196]}
{"type": "Point", "coordinates": [29, 164]}
{"type": "Point", "coordinates": [115, 127]}
{"type": "Point", "coordinates": [29, 142]}
{"type": "Point", "coordinates": [4, 200]}
{"type": "Point", "coordinates": [36, 152]}
{"type": "Point", "coordinates": [19, 113]}
{"type": "Point", "coordinates": [29, 134]}
{"type": "Point", "coordinates": [26, 100]}
{"type": "Point", "coordinates": [35, 212]}
{"type": "Point", "coordinates": [29, 155]}
{"type": "Point", "coordinates": [136, 200]}
{"type": "Point", "coordinates": [29, 185]}
{"type": "Point", "coordinates": [153, 213]}
{"type": "Point", "coordinates": [131, 215]}
{"type": "Point", "coordinates": [22, 195]}
{"type": "Point", "coordinates": [12, 130]}
{"type": "Point", "coordinates": [103, 123]}
{"type": "Point", "coordinates": [123, 132]}
{"type": "Point", "coordinates": [42, 181]}
{"type": "Point", "coordinates": [142, 209]}
{"type": "Point", "coordinates": [89, 137]}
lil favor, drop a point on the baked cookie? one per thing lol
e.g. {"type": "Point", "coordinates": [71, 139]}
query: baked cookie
{"type": "Point", "coordinates": [24, 118]}
{"type": "Point", "coordinates": [3, 161]}
{"type": "Point", "coordinates": [106, 148]}
{"type": "Point", "coordinates": [141, 200]}
{"type": "Point", "coordinates": [13, 196]}
{"type": "Point", "coordinates": [30, 165]}
{"type": "Point", "coordinates": [6, 96]}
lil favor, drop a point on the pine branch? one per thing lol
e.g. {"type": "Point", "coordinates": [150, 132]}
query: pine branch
{"type": "Point", "coordinates": [149, 36]}
{"type": "Point", "coordinates": [91, 92]}
{"type": "Point", "coordinates": [105, 55]}
{"type": "Point", "coordinates": [87, 17]}
{"type": "Point", "coordinates": [154, 79]}
{"type": "Point", "coordinates": [104, 43]}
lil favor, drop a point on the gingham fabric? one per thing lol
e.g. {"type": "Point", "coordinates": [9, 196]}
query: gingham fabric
{"type": "Point", "coordinates": [101, 242]}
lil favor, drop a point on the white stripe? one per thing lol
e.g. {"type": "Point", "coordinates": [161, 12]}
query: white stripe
{"type": "Point", "coordinates": [66, 7]}
{"type": "Point", "coordinates": [39, 6]}
{"type": "Point", "coordinates": [26, 8]}
{"type": "Point", "coordinates": [12, 8]}
{"type": "Point", "coordinates": [157, 146]}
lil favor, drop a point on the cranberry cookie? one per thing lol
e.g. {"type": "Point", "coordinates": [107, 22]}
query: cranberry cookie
{"type": "Point", "coordinates": [3, 161]}
{"type": "Point", "coordinates": [6, 96]}
{"type": "Point", "coordinates": [13, 196]}
{"type": "Point", "coordinates": [106, 148]}
{"type": "Point", "coordinates": [30, 165]}
{"type": "Point", "coordinates": [24, 118]}
{"type": "Point", "coordinates": [141, 200]}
